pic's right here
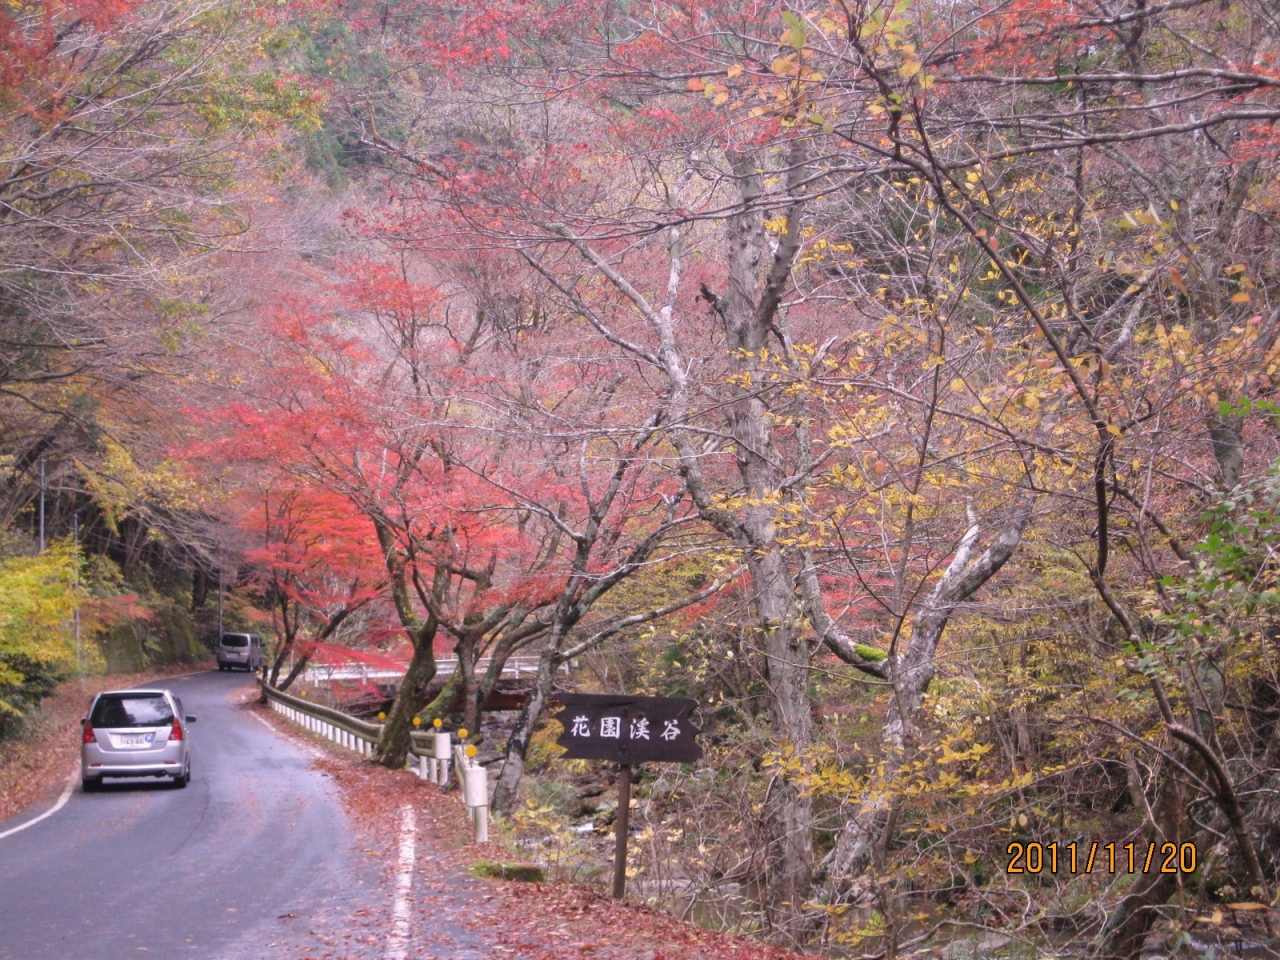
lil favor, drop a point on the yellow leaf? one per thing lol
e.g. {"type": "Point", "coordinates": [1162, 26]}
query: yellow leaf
{"type": "Point", "coordinates": [1235, 268]}
{"type": "Point", "coordinates": [734, 71]}
{"type": "Point", "coordinates": [1240, 298]}
{"type": "Point", "coordinates": [957, 385]}
{"type": "Point", "coordinates": [910, 68]}
{"type": "Point", "coordinates": [1114, 430]}
{"type": "Point", "coordinates": [1246, 906]}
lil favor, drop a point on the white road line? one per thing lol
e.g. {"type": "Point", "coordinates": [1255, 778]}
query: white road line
{"type": "Point", "coordinates": [62, 802]}
{"type": "Point", "coordinates": [71, 784]}
{"type": "Point", "coordinates": [398, 939]}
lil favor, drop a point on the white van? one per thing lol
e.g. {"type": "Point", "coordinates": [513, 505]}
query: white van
{"type": "Point", "coordinates": [240, 650]}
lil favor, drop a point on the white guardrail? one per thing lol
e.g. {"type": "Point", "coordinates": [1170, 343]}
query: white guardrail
{"type": "Point", "coordinates": [432, 751]}
{"type": "Point", "coordinates": [515, 667]}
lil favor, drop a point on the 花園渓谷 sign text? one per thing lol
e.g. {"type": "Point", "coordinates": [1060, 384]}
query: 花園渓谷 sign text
{"type": "Point", "coordinates": [628, 729]}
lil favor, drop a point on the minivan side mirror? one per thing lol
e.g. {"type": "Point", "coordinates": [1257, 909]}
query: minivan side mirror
{"type": "Point", "coordinates": [83, 721]}
{"type": "Point", "coordinates": [191, 719]}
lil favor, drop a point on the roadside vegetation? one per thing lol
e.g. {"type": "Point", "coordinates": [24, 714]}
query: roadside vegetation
{"type": "Point", "coordinates": [896, 379]}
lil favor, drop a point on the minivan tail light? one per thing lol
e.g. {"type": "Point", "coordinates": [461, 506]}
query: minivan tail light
{"type": "Point", "coordinates": [88, 733]}
{"type": "Point", "coordinates": [176, 732]}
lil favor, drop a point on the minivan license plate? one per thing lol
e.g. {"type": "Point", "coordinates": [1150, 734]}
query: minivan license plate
{"type": "Point", "coordinates": [138, 741]}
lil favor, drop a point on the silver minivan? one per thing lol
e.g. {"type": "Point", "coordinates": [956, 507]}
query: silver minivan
{"type": "Point", "coordinates": [240, 650]}
{"type": "Point", "coordinates": [135, 733]}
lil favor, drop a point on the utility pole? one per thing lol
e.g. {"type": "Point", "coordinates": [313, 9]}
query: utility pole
{"type": "Point", "coordinates": [219, 603]}
{"type": "Point", "coordinates": [42, 463]}
{"type": "Point", "coordinates": [75, 558]}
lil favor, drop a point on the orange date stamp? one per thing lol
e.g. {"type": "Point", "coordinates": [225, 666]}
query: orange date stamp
{"type": "Point", "coordinates": [1075, 857]}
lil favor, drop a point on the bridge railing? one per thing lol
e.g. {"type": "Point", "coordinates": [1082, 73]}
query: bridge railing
{"type": "Point", "coordinates": [515, 667]}
{"type": "Point", "coordinates": [430, 753]}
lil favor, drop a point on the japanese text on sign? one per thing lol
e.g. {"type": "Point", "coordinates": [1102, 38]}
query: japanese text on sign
{"type": "Point", "coordinates": [628, 729]}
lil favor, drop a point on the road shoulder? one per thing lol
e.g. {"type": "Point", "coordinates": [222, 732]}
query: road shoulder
{"type": "Point", "coordinates": [457, 916]}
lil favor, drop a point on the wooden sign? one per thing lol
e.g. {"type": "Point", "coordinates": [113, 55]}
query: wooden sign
{"type": "Point", "coordinates": [628, 730]}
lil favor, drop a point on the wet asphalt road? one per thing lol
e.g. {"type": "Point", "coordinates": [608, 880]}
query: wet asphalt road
{"type": "Point", "coordinates": [255, 848]}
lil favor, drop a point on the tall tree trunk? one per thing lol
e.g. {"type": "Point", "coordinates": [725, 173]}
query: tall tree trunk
{"type": "Point", "coordinates": [789, 810]}
{"type": "Point", "coordinates": [277, 664]}
{"type": "Point", "coordinates": [505, 791]}
{"type": "Point", "coordinates": [471, 702]}
{"type": "Point", "coordinates": [412, 695]}
{"type": "Point", "coordinates": [296, 672]}
{"type": "Point", "coordinates": [749, 310]}
{"type": "Point", "coordinates": [1131, 921]}
{"type": "Point", "coordinates": [394, 746]}
{"type": "Point", "coordinates": [488, 683]}
{"type": "Point", "coordinates": [445, 702]}
{"type": "Point", "coordinates": [758, 279]}
{"type": "Point", "coordinates": [910, 674]}
{"type": "Point", "coordinates": [1208, 300]}
{"type": "Point", "coordinates": [199, 587]}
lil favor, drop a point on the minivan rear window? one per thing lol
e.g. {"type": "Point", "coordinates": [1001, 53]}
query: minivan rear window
{"type": "Point", "coordinates": [234, 640]}
{"type": "Point", "coordinates": [131, 710]}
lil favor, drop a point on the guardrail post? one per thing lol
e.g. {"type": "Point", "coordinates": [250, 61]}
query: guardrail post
{"type": "Point", "coordinates": [460, 764]}
{"type": "Point", "coordinates": [441, 751]}
{"type": "Point", "coordinates": [475, 793]}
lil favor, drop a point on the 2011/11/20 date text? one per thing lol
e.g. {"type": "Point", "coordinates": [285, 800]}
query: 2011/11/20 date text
{"type": "Point", "coordinates": [1114, 858]}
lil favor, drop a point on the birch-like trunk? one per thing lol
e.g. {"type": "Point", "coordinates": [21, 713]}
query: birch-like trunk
{"type": "Point", "coordinates": [863, 836]}
{"type": "Point", "coordinates": [758, 277]}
